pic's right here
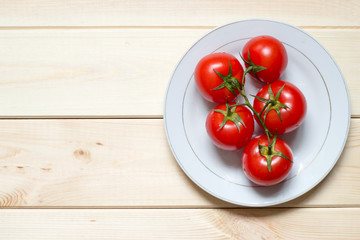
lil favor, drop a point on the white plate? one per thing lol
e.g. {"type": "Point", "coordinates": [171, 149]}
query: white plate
{"type": "Point", "coordinates": [316, 145]}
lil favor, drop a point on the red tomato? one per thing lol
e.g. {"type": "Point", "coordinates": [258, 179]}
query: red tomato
{"type": "Point", "coordinates": [290, 104]}
{"type": "Point", "coordinates": [268, 52]}
{"type": "Point", "coordinates": [224, 126]}
{"type": "Point", "coordinates": [213, 87]}
{"type": "Point", "coordinates": [255, 165]}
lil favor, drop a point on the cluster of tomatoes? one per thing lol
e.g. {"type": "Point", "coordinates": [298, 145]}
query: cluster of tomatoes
{"type": "Point", "coordinates": [279, 107]}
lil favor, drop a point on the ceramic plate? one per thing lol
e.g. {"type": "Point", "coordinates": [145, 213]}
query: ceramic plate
{"type": "Point", "coordinates": [316, 144]}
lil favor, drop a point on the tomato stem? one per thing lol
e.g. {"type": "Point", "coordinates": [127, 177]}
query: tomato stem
{"type": "Point", "coordinates": [258, 116]}
{"type": "Point", "coordinates": [262, 110]}
{"type": "Point", "coordinates": [231, 115]}
{"type": "Point", "coordinates": [274, 101]}
{"type": "Point", "coordinates": [254, 68]}
{"type": "Point", "coordinates": [266, 151]}
{"type": "Point", "coordinates": [229, 81]}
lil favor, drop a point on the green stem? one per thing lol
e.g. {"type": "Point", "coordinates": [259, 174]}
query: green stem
{"type": "Point", "coordinates": [266, 151]}
{"type": "Point", "coordinates": [267, 104]}
{"type": "Point", "coordinates": [249, 69]}
{"type": "Point", "coordinates": [247, 103]}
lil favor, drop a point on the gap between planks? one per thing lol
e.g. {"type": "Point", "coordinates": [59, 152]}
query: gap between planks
{"type": "Point", "coordinates": [353, 206]}
{"type": "Point", "coordinates": [81, 117]}
{"type": "Point", "coordinates": [155, 117]}
{"type": "Point", "coordinates": [150, 27]}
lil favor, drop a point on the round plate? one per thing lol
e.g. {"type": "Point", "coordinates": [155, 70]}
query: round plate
{"type": "Point", "coordinates": [316, 144]}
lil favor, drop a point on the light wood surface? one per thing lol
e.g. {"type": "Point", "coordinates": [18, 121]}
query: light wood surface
{"type": "Point", "coordinates": [124, 164]}
{"type": "Point", "coordinates": [180, 224]}
{"type": "Point", "coordinates": [176, 13]}
{"type": "Point", "coordinates": [83, 152]}
{"type": "Point", "coordinates": [52, 73]}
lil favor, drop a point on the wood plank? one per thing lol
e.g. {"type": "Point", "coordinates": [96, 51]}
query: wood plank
{"type": "Point", "coordinates": [176, 13]}
{"type": "Point", "coordinates": [180, 224]}
{"type": "Point", "coordinates": [97, 72]}
{"type": "Point", "coordinates": [126, 163]}
{"type": "Point", "coordinates": [88, 72]}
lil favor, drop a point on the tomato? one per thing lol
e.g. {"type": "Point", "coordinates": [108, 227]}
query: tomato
{"type": "Point", "coordinates": [215, 80]}
{"type": "Point", "coordinates": [287, 110]}
{"type": "Point", "coordinates": [268, 52]}
{"type": "Point", "coordinates": [269, 170]}
{"type": "Point", "coordinates": [230, 127]}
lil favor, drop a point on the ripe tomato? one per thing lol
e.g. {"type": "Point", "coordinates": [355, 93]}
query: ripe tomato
{"type": "Point", "coordinates": [269, 170]}
{"type": "Point", "coordinates": [218, 77]}
{"type": "Point", "coordinates": [230, 127]}
{"type": "Point", "coordinates": [268, 52]}
{"type": "Point", "coordinates": [287, 109]}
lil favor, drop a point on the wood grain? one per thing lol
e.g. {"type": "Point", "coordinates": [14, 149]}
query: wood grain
{"type": "Point", "coordinates": [111, 72]}
{"type": "Point", "coordinates": [176, 13]}
{"type": "Point", "coordinates": [180, 224]}
{"type": "Point", "coordinates": [126, 164]}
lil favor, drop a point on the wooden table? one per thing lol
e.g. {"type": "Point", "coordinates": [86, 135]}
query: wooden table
{"type": "Point", "coordinates": [83, 152]}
